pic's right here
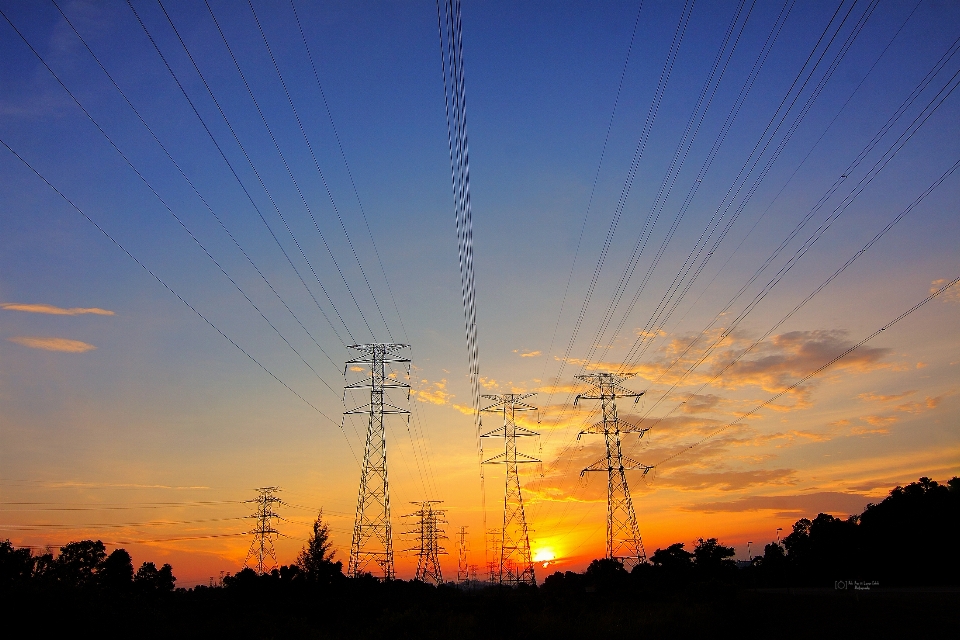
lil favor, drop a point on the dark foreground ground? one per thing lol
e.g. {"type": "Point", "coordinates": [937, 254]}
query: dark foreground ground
{"type": "Point", "coordinates": [417, 611]}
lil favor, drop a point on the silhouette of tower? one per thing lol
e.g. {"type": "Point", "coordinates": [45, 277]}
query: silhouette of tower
{"type": "Point", "coordinates": [623, 536]}
{"type": "Point", "coordinates": [462, 568]}
{"type": "Point", "coordinates": [261, 548]}
{"type": "Point", "coordinates": [372, 544]}
{"type": "Point", "coordinates": [427, 532]}
{"type": "Point", "coordinates": [516, 565]}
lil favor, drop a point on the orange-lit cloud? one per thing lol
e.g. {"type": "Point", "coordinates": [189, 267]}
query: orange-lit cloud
{"type": "Point", "coordinates": [530, 354]}
{"type": "Point", "coordinates": [435, 393]}
{"type": "Point", "coordinates": [53, 344]}
{"type": "Point", "coordinates": [52, 310]}
{"type": "Point", "coordinates": [950, 295]}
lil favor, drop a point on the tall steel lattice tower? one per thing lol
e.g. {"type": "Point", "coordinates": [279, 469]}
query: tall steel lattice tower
{"type": "Point", "coordinates": [516, 565]}
{"type": "Point", "coordinates": [372, 544]}
{"type": "Point", "coordinates": [427, 533]}
{"type": "Point", "coordinates": [623, 535]}
{"type": "Point", "coordinates": [261, 548]}
{"type": "Point", "coordinates": [463, 570]}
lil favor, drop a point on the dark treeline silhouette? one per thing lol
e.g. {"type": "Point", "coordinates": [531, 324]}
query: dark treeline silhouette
{"type": "Point", "coordinates": [904, 548]}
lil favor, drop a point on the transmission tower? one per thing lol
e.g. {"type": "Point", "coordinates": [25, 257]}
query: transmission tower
{"type": "Point", "coordinates": [372, 544]}
{"type": "Point", "coordinates": [623, 536]}
{"type": "Point", "coordinates": [462, 568]}
{"type": "Point", "coordinates": [515, 566]}
{"type": "Point", "coordinates": [261, 548]}
{"type": "Point", "coordinates": [427, 533]}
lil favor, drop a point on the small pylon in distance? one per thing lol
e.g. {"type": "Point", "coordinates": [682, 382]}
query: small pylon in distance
{"type": "Point", "coordinates": [261, 548]}
{"type": "Point", "coordinates": [623, 536]}
{"type": "Point", "coordinates": [427, 532]}
{"type": "Point", "coordinates": [462, 568]}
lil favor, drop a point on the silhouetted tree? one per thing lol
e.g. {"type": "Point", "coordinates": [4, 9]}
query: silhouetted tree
{"type": "Point", "coordinates": [712, 559]}
{"type": "Point", "coordinates": [79, 563]}
{"type": "Point", "coordinates": [673, 559]}
{"type": "Point", "coordinates": [116, 572]}
{"type": "Point", "coordinates": [16, 565]}
{"type": "Point", "coordinates": [150, 579]}
{"type": "Point", "coordinates": [606, 574]}
{"type": "Point", "coordinates": [316, 559]}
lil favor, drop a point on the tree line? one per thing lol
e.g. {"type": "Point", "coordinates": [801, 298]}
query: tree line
{"type": "Point", "coordinates": [906, 539]}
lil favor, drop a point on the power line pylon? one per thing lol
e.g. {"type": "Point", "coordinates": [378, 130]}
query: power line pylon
{"type": "Point", "coordinates": [372, 544]}
{"type": "Point", "coordinates": [462, 568]}
{"type": "Point", "coordinates": [261, 548]}
{"type": "Point", "coordinates": [623, 536]}
{"type": "Point", "coordinates": [427, 532]}
{"type": "Point", "coordinates": [515, 565]}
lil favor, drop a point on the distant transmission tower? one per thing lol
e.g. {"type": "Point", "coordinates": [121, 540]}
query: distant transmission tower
{"type": "Point", "coordinates": [516, 565]}
{"type": "Point", "coordinates": [261, 548]}
{"type": "Point", "coordinates": [623, 535]}
{"type": "Point", "coordinates": [427, 532]}
{"type": "Point", "coordinates": [372, 544]}
{"type": "Point", "coordinates": [463, 569]}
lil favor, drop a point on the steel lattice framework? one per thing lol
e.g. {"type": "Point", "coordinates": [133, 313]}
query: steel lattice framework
{"type": "Point", "coordinates": [516, 564]}
{"type": "Point", "coordinates": [623, 536]}
{"type": "Point", "coordinates": [261, 548]}
{"type": "Point", "coordinates": [427, 532]}
{"type": "Point", "coordinates": [463, 570]}
{"type": "Point", "coordinates": [372, 544]}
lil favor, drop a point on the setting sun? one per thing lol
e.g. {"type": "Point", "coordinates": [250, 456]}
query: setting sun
{"type": "Point", "coordinates": [544, 555]}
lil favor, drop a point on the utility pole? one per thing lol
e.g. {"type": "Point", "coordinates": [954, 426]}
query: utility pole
{"type": "Point", "coordinates": [516, 565]}
{"type": "Point", "coordinates": [623, 536]}
{"type": "Point", "coordinates": [427, 532]}
{"type": "Point", "coordinates": [261, 548]}
{"type": "Point", "coordinates": [462, 568]}
{"type": "Point", "coordinates": [372, 544]}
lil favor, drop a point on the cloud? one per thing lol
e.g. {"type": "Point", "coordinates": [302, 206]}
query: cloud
{"type": "Point", "coordinates": [53, 344]}
{"type": "Point", "coordinates": [884, 398]}
{"type": "Point", "coordinates": [435, 394]}
{"type": "Point", "coordinates": [530, 354]}
{"type": "Point", "coordinates": [808, 504]}
{"type": "Point", "coordinates": [725, 480]}
{"type": "Point", "coordinates": [950, 295]}
{"type": "Point", "coordinates": [54, 311]}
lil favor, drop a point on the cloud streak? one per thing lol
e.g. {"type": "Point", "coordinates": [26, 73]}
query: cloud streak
{"type": "Point", "coordinates": [49, 309]}
{"type": "Point", "coordinates": [63, 345]}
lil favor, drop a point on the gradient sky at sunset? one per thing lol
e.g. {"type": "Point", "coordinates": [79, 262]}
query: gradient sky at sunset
{"type": "Point", "coordinates": [125, 417]}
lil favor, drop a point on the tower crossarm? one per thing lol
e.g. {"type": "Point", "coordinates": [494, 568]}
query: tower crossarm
{"type": "Point", "coordinates": [504, 459]}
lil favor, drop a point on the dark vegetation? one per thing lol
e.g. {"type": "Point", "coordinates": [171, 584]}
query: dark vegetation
{"type": "Point", "coordinates": [904, 549]}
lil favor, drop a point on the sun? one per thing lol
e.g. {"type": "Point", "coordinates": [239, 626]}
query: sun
{"type": "Point", "coordinates": [544, 555]}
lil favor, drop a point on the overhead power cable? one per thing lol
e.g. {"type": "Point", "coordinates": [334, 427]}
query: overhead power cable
{"type": "Point", "coordinates": [191, 183]}
{"type": "Point", "coordinates": [279, 151]}
{"type": "Point", "coordinates": [253, 167]}
{"type": "Point", "coordinates": [316, 164]}
{"type": "Point", "coordinates": [926, 112]}
{"type": "Point", "coordinates": [698, 256]}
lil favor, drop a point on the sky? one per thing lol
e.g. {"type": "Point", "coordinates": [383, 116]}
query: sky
{"type": "Point", "coordinates": [717, 198]}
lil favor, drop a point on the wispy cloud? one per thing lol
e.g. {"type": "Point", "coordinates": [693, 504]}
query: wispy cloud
{"type": "Point", "coordinates": [530, 354]}
{"type": "Point", "coordinates": [54, 311]}
{"type": "Point", "coordinates": [952, 294]}
{"type": "Point", "coordinates": [435, 393]}
{"type": "Point", "coordinates": [53, 344]}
